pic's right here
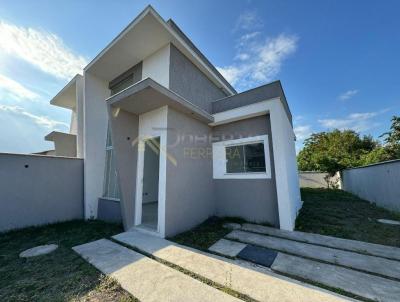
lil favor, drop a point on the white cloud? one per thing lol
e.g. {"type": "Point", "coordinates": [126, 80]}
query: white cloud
{"type": "Point", "coordinates": [13, 89]}
{"type": "Point", "coordinates": [263, 61]}
{"type": "Point", "coordinates": [302, 132]}
{"type": "Point", "coordinates": [348, 94]}
{"type": "Point", "coordinates": [44, 50]}
{"type": "Point", "coordinates": [248, 20]}
{"type": "Point", "coordinates": [358, 122]}
{"type": "Point", "coordinates": [42, 121]}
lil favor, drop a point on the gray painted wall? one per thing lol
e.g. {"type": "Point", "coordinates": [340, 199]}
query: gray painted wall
{"type": "Point", "coordinates": [379, 183]}
{"type": "Point", "coordinates": [189, 187]}
{"type": "Point", "coordinates": [189, 82]}
{"type": "Point", "coordinates": [251, 199]}
{"type": "Point", "coordinates": [37, 190]}
{"type": "Point", "coordinates": [259, 94]}
{"type": "Point", "coordinates": [109, 210]}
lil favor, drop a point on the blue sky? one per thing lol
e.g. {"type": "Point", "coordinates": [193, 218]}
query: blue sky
{"type": "Point", "coordinates": [338, 60]}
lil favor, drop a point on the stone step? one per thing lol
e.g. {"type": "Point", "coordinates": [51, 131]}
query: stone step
{"type": "Point", "coordinates": [328, 241]}
{"type": "Point", "coordinates": [147, 279]}
{"type": "Point", "coordinates": [361, 284]}
{"type": "Point", "coordinates": [255, 282]}
{"type": "Point", "coordinates": [381, 266]}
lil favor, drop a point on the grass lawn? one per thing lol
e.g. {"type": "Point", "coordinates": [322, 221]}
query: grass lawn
{"type": "Point", "coordinates": [58, 276]}
{"type": "Point", "coordinates": [206, 234]}
{"type": "Point", "coordinates": [341, 214]}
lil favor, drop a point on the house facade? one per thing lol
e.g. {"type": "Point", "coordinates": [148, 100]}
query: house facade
{"type": "Point", "coordinates": [167, 142]}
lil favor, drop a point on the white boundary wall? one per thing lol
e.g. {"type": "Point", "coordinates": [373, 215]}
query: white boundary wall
{"type": "Point", "coordinates": [378, 183]}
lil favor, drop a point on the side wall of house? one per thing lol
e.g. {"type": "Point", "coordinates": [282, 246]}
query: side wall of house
{"type": "Point", "coordinates": [36, 189]}
{"type": "Point", "coordinates": [252, 199]}
{"type": "Point", "coordinates": [189, 82]}
{"type": "Point", "coordinates": [189, 187]}
{"type": "Point", "coordinates": [95, 133]}
{"type": "Point", "coordinates": [65, 145]}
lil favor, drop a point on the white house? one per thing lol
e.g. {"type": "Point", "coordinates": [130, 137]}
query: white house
{"type": "Point", "coordinates": [167, 142]}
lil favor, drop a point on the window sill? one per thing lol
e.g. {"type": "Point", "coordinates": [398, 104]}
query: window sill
{"type": "Point", "coordinates": [254, 175]}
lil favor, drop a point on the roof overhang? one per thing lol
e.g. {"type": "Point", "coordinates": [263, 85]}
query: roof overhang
{"type": "Point", "coordinates": [66, 98]}
{"type": "Point", "coordinates": [56, 135]}
{"type": "Point", "coordinates": [146, 34]}
{"type": "Point", "coordinates": [148, 95]}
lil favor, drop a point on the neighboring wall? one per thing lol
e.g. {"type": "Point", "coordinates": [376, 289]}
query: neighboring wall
{"type": "Point", "coordinates": [37, 190]}
{"type": "Point", "coordinates": [378, 183]}
{"type": "Point", "coordinates": [189, 82]}
{"type": "Point", "coordinates": [311, 179]}
{"type": "Point", "coordinates": [189, 181]}
{"type": "Point", "coordinates": [251, 199]}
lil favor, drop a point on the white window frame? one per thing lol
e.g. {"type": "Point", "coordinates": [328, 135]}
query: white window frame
{"type": "Point", "coordinates": [219, 158]}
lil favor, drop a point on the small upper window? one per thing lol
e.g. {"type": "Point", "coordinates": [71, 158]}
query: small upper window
{"type": "Point", "coordinates": [122, 84]}
{"type": "Point", "coordinates": [242, 158]}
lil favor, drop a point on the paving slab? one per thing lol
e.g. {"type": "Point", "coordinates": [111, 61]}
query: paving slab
{"type": "Point", "coordinates": [259, 284]}
{"type": "Point", "coordinates": [259, 255]}
{"type": "Point", "coordinates": [38, 250]}
{"type": "Point", "coordinates": [227, 247]}
{"type": "Point", "coordinates": [232, 226]}
{"type": "Point", "coordinates": [372, 264]}
{"type": "Point", "coordinates": [147, 279]}
{"type": "Point", "coordinates": [388, 221]}
{"type": "Point", "coordinates": [357, 283]}
{"type": "Point", "coordinates": [345, 244]}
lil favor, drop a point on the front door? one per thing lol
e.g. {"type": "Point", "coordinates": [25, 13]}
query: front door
{"type": "Point", "coordinates": [151, 168]}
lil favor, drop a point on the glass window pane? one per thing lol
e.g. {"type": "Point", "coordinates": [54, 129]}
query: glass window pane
{"type": "Point", "coordinates": [254, 157]}
{"type": "Point", "coordinates": [235, 159]}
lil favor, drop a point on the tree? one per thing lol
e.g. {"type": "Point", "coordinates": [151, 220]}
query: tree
{"type": "Point", "coordinates": [334, 151]}
{"type": "Point", "coordinates": [392, 139]}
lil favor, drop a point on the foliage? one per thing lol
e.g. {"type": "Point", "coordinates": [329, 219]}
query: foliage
{"type": "Point", "coordinates": [337, 150]}
{"type": "Point", "coordinates": [392, 139]}
{"type": "Point", "coordinates": [334, 151]}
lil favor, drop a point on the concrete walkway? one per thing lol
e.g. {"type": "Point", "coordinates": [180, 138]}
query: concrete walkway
{"type": "Point", "coordinates": [371, 264]}
{"type": "Point", "coordinates": [146, 279]}
{"type": "Point", "coordinates": [357, 283]}
{"type": "Point", "coordinates": [255, 282]}
{"type": "Point", "coordinates": [354, 282]}
{"type": "Point", "coordinates": [328, 241]}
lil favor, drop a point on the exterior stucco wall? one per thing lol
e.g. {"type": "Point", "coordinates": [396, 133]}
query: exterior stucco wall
{"type": "Point", "coordinates": [95, 134]}
{"type": "Point", "coordinates": [156, 66]}
{"type": "Point", "coordinates": [379, 183]}
{"type": "Point", "coordinates": [37, 190]}
{"type": "Point", "coordinates": [124, 133]}
{"type": "Point", "coordinates": [189, 82]}
{"type": "Point", "coordinates": [80, 117]}
{"type": "Point", "coordinates": [189, 182]}
{"type": "Point", "coordinates": [65, 145]}
{"type": "Point", "coordinates": [252, 199]}
{"type": "Point", "coordinates": [252, 96]}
